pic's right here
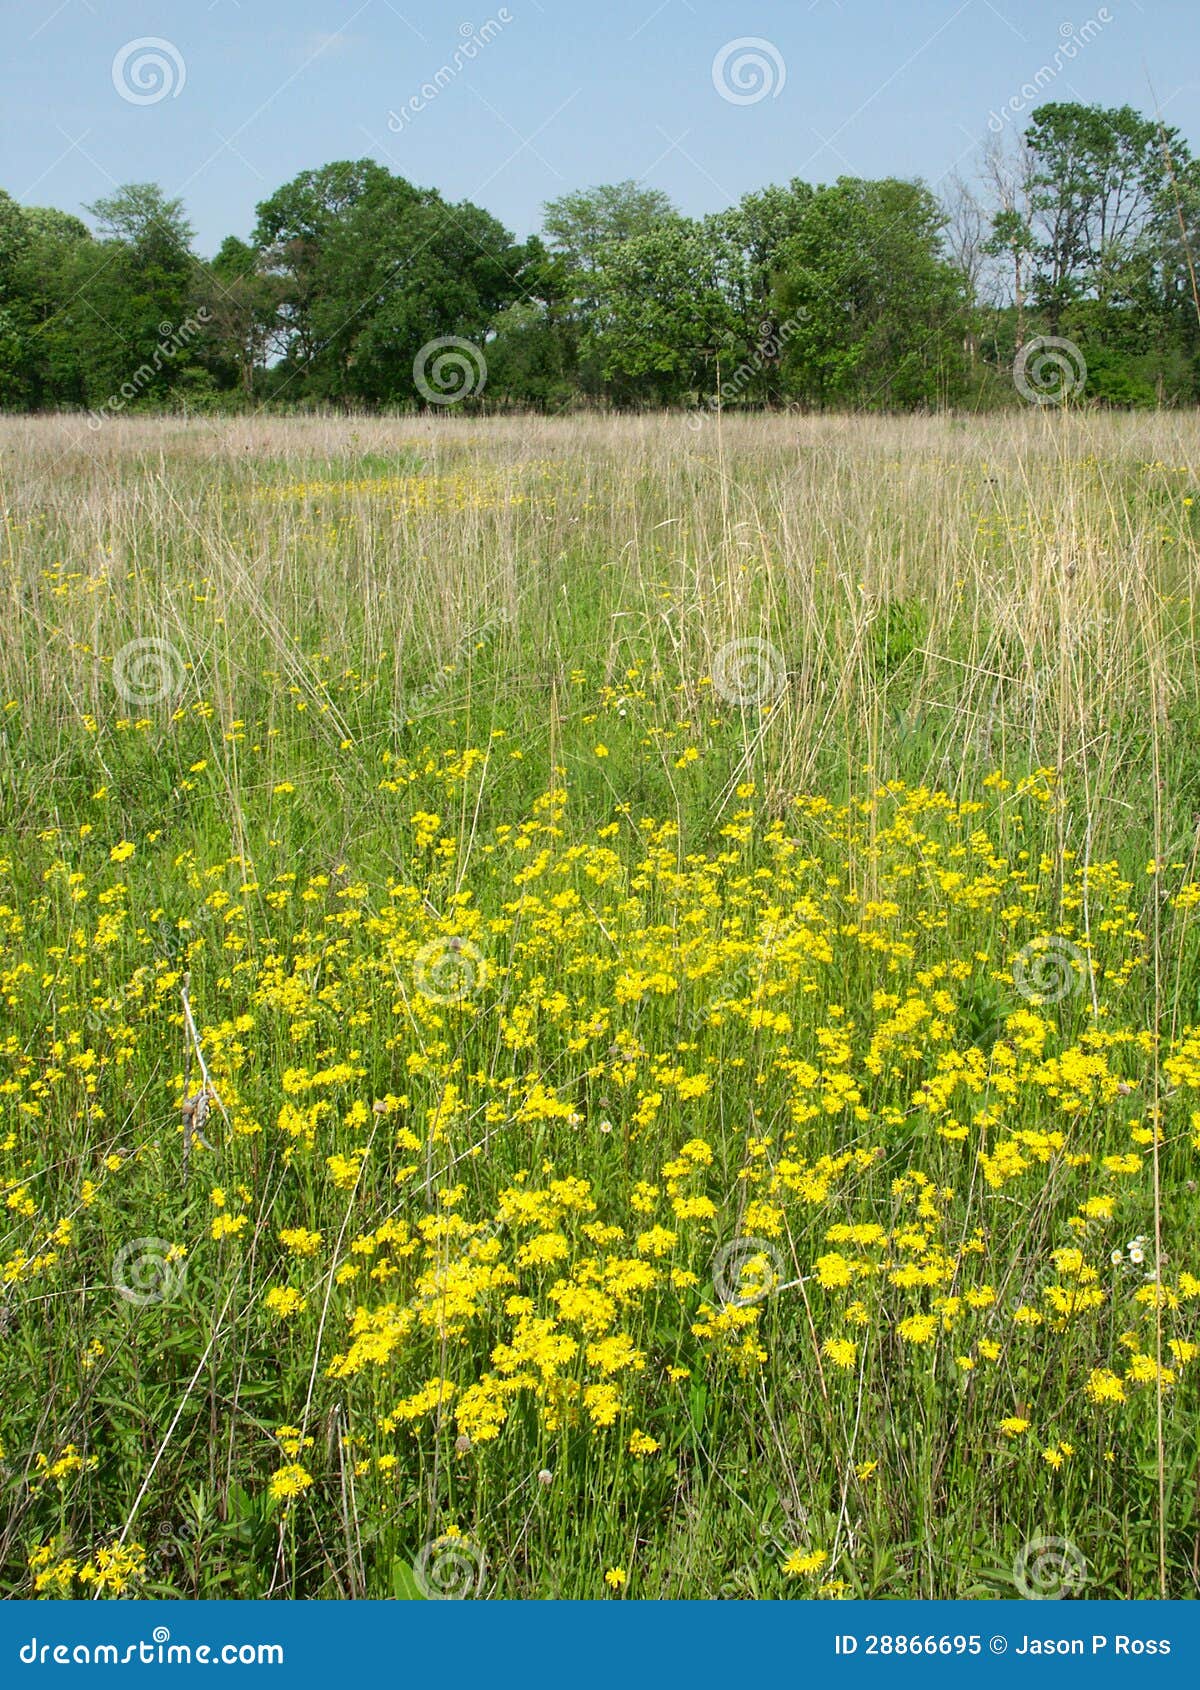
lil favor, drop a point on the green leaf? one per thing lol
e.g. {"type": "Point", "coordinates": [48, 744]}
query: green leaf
{"type": "Point", "coordinates": [404, 1585]}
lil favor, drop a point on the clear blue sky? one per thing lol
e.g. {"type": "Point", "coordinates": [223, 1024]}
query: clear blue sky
{"type": "Point", "coordinates": [567, 93]}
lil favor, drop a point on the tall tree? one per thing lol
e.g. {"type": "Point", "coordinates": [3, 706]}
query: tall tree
{"type": "Point", "coordinates": [579, 228]}
{"type": "Point", "coordinates": [532, 355]}
{"type": "Point", "coordinates": [242, 301]}
{"type": "Point", "coordinates": [965, 240]}
{"type": "Point", "coordinates": [142, 217]}
{"type": "Point", "coordinates": [1096, 185]}
{"type": "Point", "coordinates": [877, 307]}
{"type": "Point", "coordinates": [581, 224]}
{"type": "Point", "coordinates": [753, 235]}
{"type": "Point", "coordinates": [294, 225]}
{"type": "Point", "coordinates": [664, 321]}
{"type": "Point", "coordinates": [130, 295]}
{"type": "Point", "coordinates": [401, 269]}
{"type": "Point", "coordinates": [14, 238]}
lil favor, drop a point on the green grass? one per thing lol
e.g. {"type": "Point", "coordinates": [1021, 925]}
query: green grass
{"type": "Point", "coordinates": [487, 863]}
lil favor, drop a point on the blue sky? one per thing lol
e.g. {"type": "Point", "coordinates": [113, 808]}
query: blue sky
{"type": "Point", "coordinates": [565, 93]}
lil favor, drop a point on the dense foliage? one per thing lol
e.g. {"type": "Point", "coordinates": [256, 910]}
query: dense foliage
{"type": "Point", "coordinates": [868, 293]}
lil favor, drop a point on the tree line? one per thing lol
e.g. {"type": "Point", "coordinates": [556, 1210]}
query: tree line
{"type": "Point", "coordinates": [358, 288]}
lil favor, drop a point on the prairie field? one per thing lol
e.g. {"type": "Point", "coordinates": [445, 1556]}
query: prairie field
{"type": "Point", "coordinates": [600, 1007]}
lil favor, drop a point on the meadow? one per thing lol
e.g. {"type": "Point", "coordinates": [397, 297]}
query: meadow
{"type": "Point", "coordinates": [600, 1007]}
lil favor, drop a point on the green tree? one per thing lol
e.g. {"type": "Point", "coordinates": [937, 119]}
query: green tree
{"type": "Point", "coordinates": [142, 217]}
{"type": "Point", "coordinates": [876, 307]}
{"type": "Point", "coordinates": [399, 270]}
{"type": "Point", "coordinates": [1096, 192]}
{"type": "Point", "coordinates": [664, 325]}
{"type": "Point", "coordinates": [293, 228]}
{"type": "Point", "coordinates": [241, 300]}
{"type": "Point", "coordinates": [42, 265]}
{"type": "Point", "coordinates": [1176, 257]}
{"type": "Point", "coordinates": [579, 228]}
{"type": "Point", "coordinates": [753, 234]}
{"type": "Point", "coordinates": [14, 238]}
{"type": "Point", "coordinates": [532, 355]}
{"type": "Point", "coordinates": [131, 294]}
{"type": "Point", "coordinates": [580, 225]}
